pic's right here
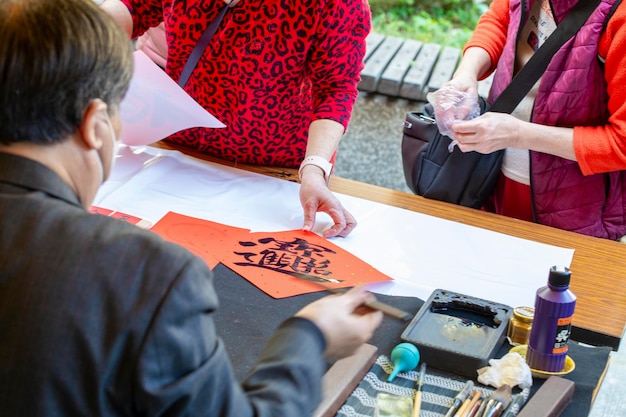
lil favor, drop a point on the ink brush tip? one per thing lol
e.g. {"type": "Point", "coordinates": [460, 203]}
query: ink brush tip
{"type": "Point", "coordinates": [460, 398]}
{"type": "Point", "coordinates": [503, 395]}
{"type": "Point", "coordinates": [499, 401]}
{"type": "Point", "coordinates": [472, 404]}
{"type": "Point", "coordinates": [421, 375]}
{"type": "Point", "coordinates": [513, 409]}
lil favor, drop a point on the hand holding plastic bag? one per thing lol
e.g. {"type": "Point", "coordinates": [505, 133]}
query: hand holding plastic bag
{"type": "Point", "coordinates": [451, 105]}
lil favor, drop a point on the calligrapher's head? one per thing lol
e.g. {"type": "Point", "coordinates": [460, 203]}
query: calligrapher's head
{"type": "Point", "coordinates": [65, 66]}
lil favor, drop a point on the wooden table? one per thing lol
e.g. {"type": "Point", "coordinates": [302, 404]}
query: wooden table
{"type": "Point", "coordinates": [598, 267]}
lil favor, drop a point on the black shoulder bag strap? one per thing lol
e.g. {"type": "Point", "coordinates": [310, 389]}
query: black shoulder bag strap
{"type": "Point", "coordinates": [198, 50]}
{"type": "Point", "coordinates": [537, 64]}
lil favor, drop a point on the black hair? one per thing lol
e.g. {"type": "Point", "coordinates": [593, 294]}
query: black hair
{"type": "Point", "coordinates": [56, 57]}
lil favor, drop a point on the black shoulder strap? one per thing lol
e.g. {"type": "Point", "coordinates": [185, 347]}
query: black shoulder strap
{"type": "Point", "coordinates": [610, 14]}
{"type": "Point", "coordinates": [198, 50]}
{"type": "Point", "coordinates": [537, 64]}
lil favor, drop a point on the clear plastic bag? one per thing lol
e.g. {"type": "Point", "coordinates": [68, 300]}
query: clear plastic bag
{"type": "Point", "coordinates": [450, 106]}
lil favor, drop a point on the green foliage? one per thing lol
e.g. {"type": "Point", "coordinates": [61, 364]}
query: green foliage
{"type": "Point", "coordinates": [445, 22]}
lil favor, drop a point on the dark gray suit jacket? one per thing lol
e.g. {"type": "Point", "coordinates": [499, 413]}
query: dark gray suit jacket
{"type": "Point", "coordinates": [101, 318]}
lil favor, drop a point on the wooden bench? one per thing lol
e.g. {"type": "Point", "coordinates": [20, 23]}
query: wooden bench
{"type": "Point", "coordinates": [408, 68]}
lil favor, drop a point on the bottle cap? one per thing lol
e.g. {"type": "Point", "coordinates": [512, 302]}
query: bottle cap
{"type": "Point", "coordinates": [559, 276]}
{"type": "Point", "coordinates": [524, 314]}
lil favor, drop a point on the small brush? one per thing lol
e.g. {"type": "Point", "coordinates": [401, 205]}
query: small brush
{"type": "Point", "coordinates": [517, 403]}
{"type": "Point", "coordinates": [460, 398]}
{"type": "Point", "coordinates": [471, 404]}
{"type": "Point", "coordinates": [473, 412]}
{"type": "Point", "coordinates": [498, 401]}
{"type": "Point", "coordinates": [417, 402]}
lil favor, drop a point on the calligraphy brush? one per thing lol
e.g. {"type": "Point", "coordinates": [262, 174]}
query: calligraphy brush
{"type": "Point", "coordinates": [473, 412]}
{"type": "Point", "coordinates": [460, 398]}
{"type": "Point", "coordinates": [417, 403]}
{"type": "Point", "coordinates": [498, 401]}
{"type": "Point", "coordinates": [374, 304]}
{"type": "Point", "coordinates": [471, 403]}
{"type": "Point", "coordinates": [516, 403]}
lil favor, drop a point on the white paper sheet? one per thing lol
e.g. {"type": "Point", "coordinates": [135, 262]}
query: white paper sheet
{"type": "Point", "coordinates": [421, 252]}
{"type": "Point", "coordinates": [155, 106]}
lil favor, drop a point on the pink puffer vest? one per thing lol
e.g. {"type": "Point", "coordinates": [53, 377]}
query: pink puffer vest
{"type": "Point", "coordinates": [572, 92]}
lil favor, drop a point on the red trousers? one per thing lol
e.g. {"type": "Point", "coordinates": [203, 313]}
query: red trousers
{"type": "Point", "coordinates": [511, 199]}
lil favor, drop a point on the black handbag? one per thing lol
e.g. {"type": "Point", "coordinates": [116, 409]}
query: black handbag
{"type": "Point", "coordinates": [432, 171]}
{"type": "Point", "coordinates": [467, 179]}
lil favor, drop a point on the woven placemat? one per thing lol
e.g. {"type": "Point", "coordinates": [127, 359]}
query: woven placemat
{"type": "Point", "coordinates": [438, 391]}
{"type": "Point", "coordinates": [441, 387]}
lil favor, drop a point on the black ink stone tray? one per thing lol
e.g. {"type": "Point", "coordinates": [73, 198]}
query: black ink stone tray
{"type": "Point", "coordinates": [458, 333]}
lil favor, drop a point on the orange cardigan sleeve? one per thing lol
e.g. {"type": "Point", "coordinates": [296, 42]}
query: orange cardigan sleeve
{"type": "Point", "coordinates": [603, 148]}
{"type": "Point", "coordinates": [491, 30]}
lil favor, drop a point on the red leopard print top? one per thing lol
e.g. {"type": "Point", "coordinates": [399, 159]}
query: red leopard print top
{"type": "Point", "coordinates": [272, 67]}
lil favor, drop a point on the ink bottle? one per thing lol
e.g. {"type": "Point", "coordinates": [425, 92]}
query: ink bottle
{"type": "Point", "coordinates": [520, 324]}
{"type": "Point", "coordinates": [550, 332]}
